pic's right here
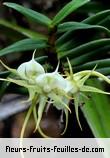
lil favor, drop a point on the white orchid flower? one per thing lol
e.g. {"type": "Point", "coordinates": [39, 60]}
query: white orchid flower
{"type": "Point", "coordinates": [44, 87]}
{"type": "Point", "coordinates": [78, 87]}
{"type": "Point", "coordinates": [30, 70]}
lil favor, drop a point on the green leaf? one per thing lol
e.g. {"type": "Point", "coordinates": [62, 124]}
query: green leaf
{"type": "Point", "coordinates": [23, 45]}
{"type": "Point", "coordinates": [4, 73]}
{"type": "Point", "coordinates": [89, 65]}
{"type": "Point", "coordinates": [65, 46]}
{"type": "Point", "coordinates": [97, 112]}
{"type": "Point", "coordinates": [37, 17]}
{"type": "Point", "coordinates": [24, 31]}
{"type": "Point", "coordinates": [41, 59]}
{"type": "Point", "coordinates": [65, 41]}
{"type": "Point", "coordinates": [92, 7]}
{"type": "Point", "coordinates": [89, 56]}
{"type": "Point", "coordinates": [72, 26]}
{"type": "Point", "coordinates": [95, 19]}
{"type": "Point", "coordinates": [105, 22]}
{"type": "Point", "coordinates": [69, 8]}
{"type": "Point", "coordinates": [104, 70]}
{"type": "Point", "coordinates": [85, 48]}
{"type": "Point", "coordinates": [93, 118]}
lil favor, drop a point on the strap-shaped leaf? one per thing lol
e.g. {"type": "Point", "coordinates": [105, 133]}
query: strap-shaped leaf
{"type": "Point", "coordinates": [65, 46]}
{"type": "Point", "coordinates": [92, 7]}
{"type": "Point", "coordinates": [97, 112]}
{"type": "Point", "coordinates": [105, 22]}
{"type": "Point", "coordinates": [4, 73]}
{"type": "Point", "coordinates": [89, 65]}
{"type": "Point", "coordinates": [95, 19]}
{"type": "Point", "coordinates": [24, 31]}
{"type": "Point", "coordinates": [104, 70]}
{"type": "Point", "coordinates": [90, 56]}
{"type": "Point", "coordinates": [38, 17]}
{"type": "Point", "coordinates": [23, 45]}
{"type": "Point", "coordinates": [69, 8]}
{"type": "Point", "coordinates": [93, 45]}
{"type": "Point", "coordinates": [65, 39]}
{"type": "Point", "coordinates": [72, 26]}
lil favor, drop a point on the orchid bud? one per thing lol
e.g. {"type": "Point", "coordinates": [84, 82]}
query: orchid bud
{"type": "Point", "coordinates": [30, 70]}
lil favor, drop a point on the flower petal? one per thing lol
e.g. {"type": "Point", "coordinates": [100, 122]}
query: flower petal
{"type": "Point", "coordinates": [76, 103]}
{"type": "Point", "coordinates": [8, 68]}
{"type": "Point", "coordinates": [66, 124]}
{"type": "Point", "coordinates": [93, 89]}
{"type": "Point", "coordinates": [39, 129]}
{"type": "Point", "coordinates": [42, 104]}
{"type": "Point", "coordinates": [58, 103]}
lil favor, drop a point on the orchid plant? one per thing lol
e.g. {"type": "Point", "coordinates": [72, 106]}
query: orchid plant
{"type": "Point", "coordinates": [62, 48]}
{"type": "Point", "coordinates": [52, 87]}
